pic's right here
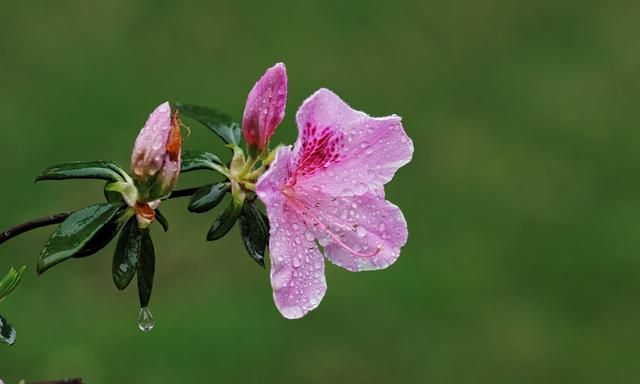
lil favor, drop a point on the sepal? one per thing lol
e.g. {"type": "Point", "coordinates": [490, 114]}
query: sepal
{"type": "Point", "coordinates": [254, 232]}
{"type": "Point", "coordinates": [223, 223]}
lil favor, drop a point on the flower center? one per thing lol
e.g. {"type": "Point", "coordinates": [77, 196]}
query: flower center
{"type": "Point", "coordinates": [320, 148]}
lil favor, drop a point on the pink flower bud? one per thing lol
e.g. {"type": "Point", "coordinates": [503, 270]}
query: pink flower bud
{"type": "Point", "coordinates": [265, 106]}
{"type": "Point", "coordinates": [155, 162]}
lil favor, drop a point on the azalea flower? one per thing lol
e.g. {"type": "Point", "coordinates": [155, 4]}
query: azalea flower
{"type": "Point", "coordinates": [325, 195]}
{"type": "Point", "coordinates": [265, 107]}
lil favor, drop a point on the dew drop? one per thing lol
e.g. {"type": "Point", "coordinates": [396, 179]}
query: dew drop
{"type": "Point", "coordinates": [361, 188]}
{"type": "Point", "coordinates": [309, 236]}
{"type": "Point", "coordinates": [296, 262]}
{"type": "Point", "coordinates": [146, 321]}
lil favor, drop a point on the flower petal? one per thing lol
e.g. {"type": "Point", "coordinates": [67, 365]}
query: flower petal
{"type": "Point", "coordinates": [265, 107]}
{"type": "Point", "coordinates": [297, 266]}
{"type": "Point", "coordinates": [150, 147]}
{"type": "Point", "coordinates": [358, 233]}
{"type": "Point", "coordinates": [338, 145]}
{"type": "Point", "coordinates": [270, 184]}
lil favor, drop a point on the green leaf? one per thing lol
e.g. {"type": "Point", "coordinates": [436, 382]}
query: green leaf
{"type": "Point", "coordinates": [104, 236]}
{"type": "Point", "coordinates": [254, 232]}
{"type": "Point", "coordinates": [126, 255]}
{"type": "Point", "coordinates": [193, 160]}
{"type": "Point", "coordinates": [75, 232]}
{"type": "Point", "coordinates": [208, 197]}
{"type": "Point", "coordinates": [7, 332]}
{"type": "Point", "coordinates": [221, 124]}
{"type": "Point", "coordinates": [162, 220]}
{"type": "Point", "coordinates": [223, 224]}
{"type": "Point", "coordinates": [10, 281]}
{"type": "Point", "coordinates": [103, 170]}
{"type": "Point", "coordinates": [146, 268]}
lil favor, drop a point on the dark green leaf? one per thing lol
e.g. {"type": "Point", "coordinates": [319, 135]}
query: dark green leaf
{"type": "Point", "coordinates": [254, 231]}
{"type": "Point", "coordinates": [223, 224]}
{"type": "Point", "coordinates": [208, 197]}
{"type": "Point", "coordinates": [104, 236]}
{"type": "Point", "coordinates": [265, 220]}
{"type": "Point", "coordinates": [146, 268]}
{"type": "Point", "coordinates": [192, 160]}
{"type": "Point", "coordinates": [221, 124]}
{"type": "Point", "coordinates": [162, 220]}
{"type": "Point", "coordinates": [75, 232]}
{"type": "Point", "coordinates": [125, 257]}
{"type": "Point", "coordinates": [7, 332]}
{"type": "Point", "coordinates": [103, 170]}
{"type": "Point", "coordinates": [10, 281]}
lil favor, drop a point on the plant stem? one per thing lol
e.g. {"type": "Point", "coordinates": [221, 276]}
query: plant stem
{"type": "Point", "coordinates": [33, 224]}
{"type": "Point", "coordinates": [60, 217]}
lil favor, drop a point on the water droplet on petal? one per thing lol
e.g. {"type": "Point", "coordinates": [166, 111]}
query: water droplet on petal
{"type": "Point", "coordinates": [309, 236]}
{"type": "Point", "coordinates": [296, 262]}
{"type": "Point", "coordinates": [361, 188]}
{"type": "Point", "coordinates": [146, 321]}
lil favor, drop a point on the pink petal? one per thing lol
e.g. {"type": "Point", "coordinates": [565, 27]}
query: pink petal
{"type": "Point", "coordinates": [265, 107]}
{"type": "Point", "coordinates": [297, 266]}
{"type": "Point", "coordinates": [358, 233]}
{"type": "Point", "coordinates": [346, 152]}
{"type": "Point", "coordinates": [150, 147]}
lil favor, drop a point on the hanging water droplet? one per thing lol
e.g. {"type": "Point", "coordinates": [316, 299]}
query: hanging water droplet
{"type": "Point", "coordinates": [145, 320]}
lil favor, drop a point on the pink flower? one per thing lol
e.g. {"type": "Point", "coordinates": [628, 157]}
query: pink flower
{"type": "Point", "coordinates": [265, 106]}
{"type": "Point", "coordinates": [328, 190]}
{"type": "Point", "coordinates": [155, 162]}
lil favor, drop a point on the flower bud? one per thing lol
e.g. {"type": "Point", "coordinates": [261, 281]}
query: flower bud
{"type": "Point", "coordinates": [155, 162]}
{"type": "Point", "coordinates": [265, 107]}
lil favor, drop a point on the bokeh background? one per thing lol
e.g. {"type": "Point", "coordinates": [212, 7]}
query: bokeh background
{"type": "Point", "coordinates": [522, 199]}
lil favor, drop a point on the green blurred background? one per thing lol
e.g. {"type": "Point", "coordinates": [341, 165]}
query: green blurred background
{"type": "Point", "coordinates": [522, 198]}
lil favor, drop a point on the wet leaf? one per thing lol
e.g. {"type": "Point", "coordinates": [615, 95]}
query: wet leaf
{"type": "Point", "coordinates": [107, 233]}
{"type": "Point", "coordinates": [162, 220]}
{"type": "Point", "coordinates": [223, 223]}
{"type": "Point", "coordinates": [103, 170]}
{"type": "Point", "coordinates": [126, 255]}
{"type": "Point", "coordinates": [193, 160]}
{"type": "Point", "coordinates": [146, 268]}
{"type": "Point", "coordinates": [221, 124]}
{"type": "Point", "coordinates": [75, 232]}
{"type": "Point", "coordinates": [254, 232]}
{"type": "Point", "coordinates": [208, 197]}
{"type": "Point", "coordinates": [7, 332]}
